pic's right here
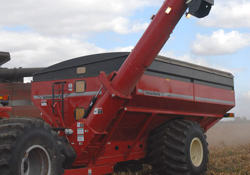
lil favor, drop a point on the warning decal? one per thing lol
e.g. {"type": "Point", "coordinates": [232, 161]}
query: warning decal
{"type": "Point", "coordinates": [98, 111]}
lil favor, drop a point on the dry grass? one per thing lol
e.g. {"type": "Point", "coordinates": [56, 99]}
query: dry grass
{"type": "Point", "coordinates": [229, 160]}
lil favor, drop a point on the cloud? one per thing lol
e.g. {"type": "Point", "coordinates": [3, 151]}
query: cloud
{"type": "Point", "coordinates": [228, 14]}
{"type": "Point", "coordinates": [122, 26]}
{"type": "Point", "coordinates": [29, 49]}
{"type": "Point", "coordinates": [43, 32]}
{"type": "Point", "coordinates": [34, 50]}
{"type": "Point", "coordinates": [220, 43]}
{"type": "Point", "coordinates": [81, 18]}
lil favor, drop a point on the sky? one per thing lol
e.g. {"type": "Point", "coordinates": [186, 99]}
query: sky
{"type": "Point", "coordinates": [44, 32]}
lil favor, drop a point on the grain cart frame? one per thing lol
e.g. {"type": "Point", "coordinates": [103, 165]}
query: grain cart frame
{"type": "Point", "coordinates": [113, 111]}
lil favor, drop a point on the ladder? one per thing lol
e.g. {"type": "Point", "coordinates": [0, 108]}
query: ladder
{"type": "Point", "coordinates": [57, 99]}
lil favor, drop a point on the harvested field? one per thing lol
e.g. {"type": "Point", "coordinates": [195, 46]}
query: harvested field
{"type": "Point", "coordinates": [229, 160]}
{"type": "Point", "coordinates": [229, 147]}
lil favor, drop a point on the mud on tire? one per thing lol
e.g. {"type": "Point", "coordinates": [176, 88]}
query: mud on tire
{"type": "Point", "coordinates": [30, 147]}
{"type": "Point", "coordinates": [178, 147]}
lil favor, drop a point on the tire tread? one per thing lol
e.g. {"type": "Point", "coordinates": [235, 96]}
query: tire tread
{"type": "Point", "coordinates": [166, 147]}
{"type": "Point", "coordinates": [11, 130]}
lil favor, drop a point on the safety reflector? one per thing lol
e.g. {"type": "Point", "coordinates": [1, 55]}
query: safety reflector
{"type": "Point", "coordinates": [80, 86]}
{"type": "Point", "coordinates": [168, 10]}
{"type": "Point", "coordinates": [4, 100]}
{"type": "Point", "coordinates": [4, 97]}
{"type": "Point", "coordinates": [229, 115]}
{"type": "Point", "coordinates": [81, 70]}
{"type": "Point", "coordinates": [79, 113]}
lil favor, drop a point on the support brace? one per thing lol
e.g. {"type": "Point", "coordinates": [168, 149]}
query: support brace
{"type": "Point", "coordinates": [106, 83]}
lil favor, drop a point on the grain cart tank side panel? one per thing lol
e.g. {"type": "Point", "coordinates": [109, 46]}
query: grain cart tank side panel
{"type": "Point", "coordinates": [73, 100]}
{"type": "Point", "coordinates": [166, 77]}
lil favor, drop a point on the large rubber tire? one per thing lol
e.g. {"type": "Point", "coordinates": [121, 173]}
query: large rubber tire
{"type": "Point", "coordinates": [178, 147]}
{"type": "Point", "coordinates": [29, 147]}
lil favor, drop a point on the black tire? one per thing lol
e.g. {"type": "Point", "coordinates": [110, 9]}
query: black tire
{"type": "Point", "coordinates": [171, 145]}
{"type": "Point", "coordinates": [29, 146]}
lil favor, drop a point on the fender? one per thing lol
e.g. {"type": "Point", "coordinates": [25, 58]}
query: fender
{"type": "Point", "coordinates": [4, 112]}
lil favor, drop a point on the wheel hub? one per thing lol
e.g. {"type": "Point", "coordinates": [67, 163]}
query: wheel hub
{"type": "Point", "coordinates": [36, 161]}
{"type": "Point", "coordinates": [196, 152]}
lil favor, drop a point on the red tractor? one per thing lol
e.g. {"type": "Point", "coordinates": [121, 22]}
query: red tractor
{"type": "Point", "coordinates": [115, 111]}
{"type": "Point", "coordinates": [14, 91]}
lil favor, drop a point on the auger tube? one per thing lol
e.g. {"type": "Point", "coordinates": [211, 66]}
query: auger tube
{"type": "Point", "coordinates": [145, 51]}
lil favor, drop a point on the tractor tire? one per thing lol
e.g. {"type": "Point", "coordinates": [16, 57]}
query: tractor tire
{"type": "Point", "coordinates": [178, 147]}
{"type": "Point", "coordinates": [29, 147]}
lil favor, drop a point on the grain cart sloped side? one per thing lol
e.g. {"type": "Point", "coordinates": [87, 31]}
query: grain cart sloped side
{"type": "Point", "coordinates": [114, 111]}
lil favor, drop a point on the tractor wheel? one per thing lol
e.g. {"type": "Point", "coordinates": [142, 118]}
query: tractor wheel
{"type": "Point", "coordinates": [178, 147]}
{"type": "Point", "coordinates": [29, 147]}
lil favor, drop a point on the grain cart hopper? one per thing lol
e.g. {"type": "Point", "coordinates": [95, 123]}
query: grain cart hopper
{"type": "Point", "coordinates": [109, 112]}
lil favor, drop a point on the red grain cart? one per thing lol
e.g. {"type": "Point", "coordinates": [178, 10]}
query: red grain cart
{"type": "Point", "coordinates": [114, 111]}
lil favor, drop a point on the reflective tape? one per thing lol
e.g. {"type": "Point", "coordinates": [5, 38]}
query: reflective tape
{"type": "Point", "coordinates": [164, 94]}
{"type": "Point", "coordinates": [58, 96]}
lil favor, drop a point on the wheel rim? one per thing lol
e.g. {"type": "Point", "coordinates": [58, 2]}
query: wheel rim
{"type": "Point", "coordinates": [36, 161]}
{"type": "Point", "coordinates": [196, 152]}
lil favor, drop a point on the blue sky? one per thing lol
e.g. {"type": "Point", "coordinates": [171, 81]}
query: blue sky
{"type": "Point", "coordinates": [41, 33]}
